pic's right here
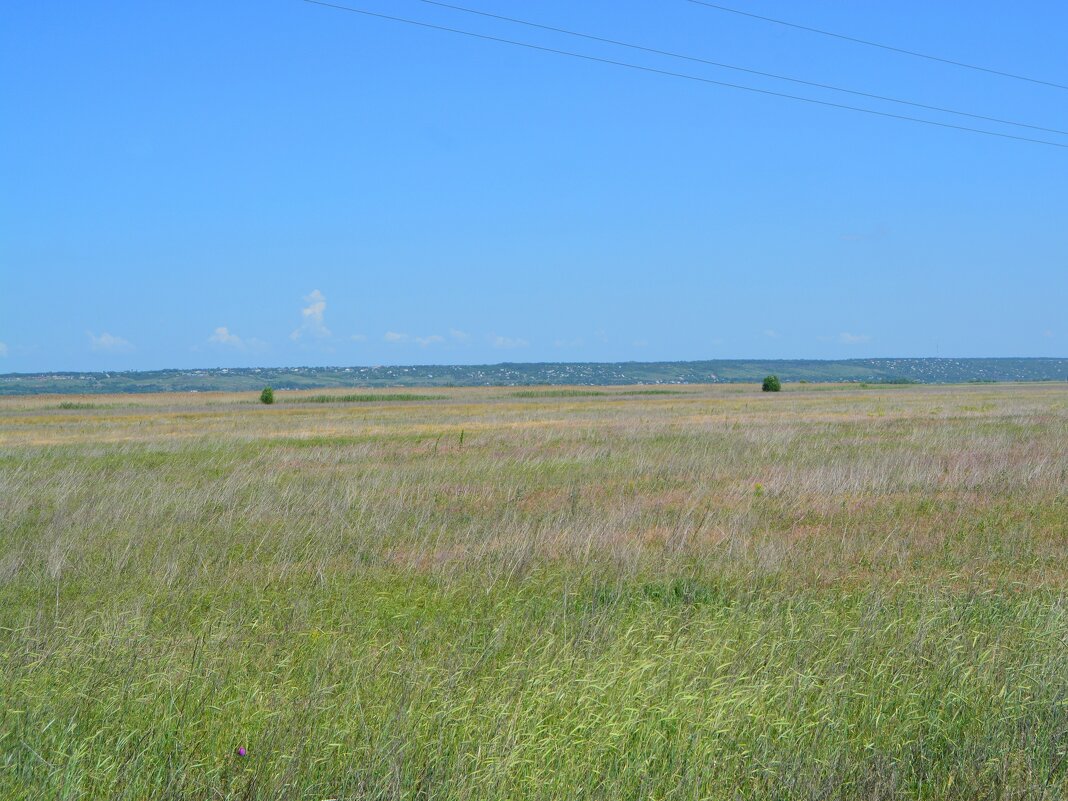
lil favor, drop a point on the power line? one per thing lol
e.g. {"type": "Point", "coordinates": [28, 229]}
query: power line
{"type": "Point", "coordinates": [686, 76]}
{"type": "Point", "coordinates": [736, 68]}
{"type": "Point", "coordinates": [901, 50]}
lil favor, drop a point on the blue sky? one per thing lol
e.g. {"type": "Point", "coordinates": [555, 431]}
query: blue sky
{"type": "Point", "coordinates": [278, 183]}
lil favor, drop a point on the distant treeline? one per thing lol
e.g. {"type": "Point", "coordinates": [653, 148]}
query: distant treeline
{"type": "Point", "coordinates": [871, 371]}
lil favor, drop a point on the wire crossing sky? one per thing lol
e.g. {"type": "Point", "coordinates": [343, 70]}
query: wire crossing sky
{"type": "Point", "coordinates": [283, 184]}
{"type": "Point", "coordinates": [866, 43]}
{"type": "Point", "coordinates": [709, 62]}
{"type": "Point", "coordinates": [685, 76]}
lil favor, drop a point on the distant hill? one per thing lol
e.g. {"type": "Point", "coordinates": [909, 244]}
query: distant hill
{"type": "Point", "coordinates": [926, 371]}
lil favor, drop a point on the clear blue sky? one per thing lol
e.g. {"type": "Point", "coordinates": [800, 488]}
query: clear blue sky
{"type": "Point", "coordinates": [277, 183]}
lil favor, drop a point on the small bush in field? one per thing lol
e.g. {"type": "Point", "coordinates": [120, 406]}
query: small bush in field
{"type": "Point", "coordinates": [267, 396]}
{"type": "Point", "coordinates": [771, 384]}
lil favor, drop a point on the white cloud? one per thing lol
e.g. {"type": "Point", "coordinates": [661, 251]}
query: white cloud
{"type": "Point", "coordinates": [108, 342]}
{"type": "Point", "coordinates": [853, 339]}
{"type": "Point", "coordinates": [459, 336]}
{"type": "Point", "coordinates": [398, 338]}
{"type": "Point", "coordinates": [358, 337]}
{"type": "Point", "coordinates": [3, 350]}
{"type": "Point", "coordinates": [1047, 333]}
{"type": "Point", "coordinates": [313, 323]}
{"type": "Point", "coordinates": [568, 343]}
{"type": "Point", "coordinates": [507, 343]}
{"type": "Point", "coordinates": [223, 336]}
{"type": "Point", "coordinates": [641, 343]}
{"type": "Point", "coordinates": [771, 333]}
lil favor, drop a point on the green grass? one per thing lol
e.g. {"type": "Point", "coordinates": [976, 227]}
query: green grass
{"type": "Point", "coordinates": [590, 393]}
{"type": "Point", "coordinates": [558, 393]}
{"type": "Point", "coordinates": [382, 686]}
{"type": "Point", "coordinates": [380, 397]}
{"type": "Point", "coordinates": [593, 606]}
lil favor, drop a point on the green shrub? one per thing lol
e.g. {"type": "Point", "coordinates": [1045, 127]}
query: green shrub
{"type": "Point", "coordinates": [267, 396]}
{"type": "Point", "coordinates": [771, 384]}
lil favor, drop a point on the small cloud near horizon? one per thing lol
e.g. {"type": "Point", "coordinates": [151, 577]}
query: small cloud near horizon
{"type": "Point", "coordinates": [853, 339]}
{"type": "Point", "coordinates": [398, 338]}
{"type": "Point", "coordinates": [507, 343]}
{"type": "Point", "coordinates": [224, 336]}
{"type": "Point", "coordinates": [459, 336]}
{"type": "Point", "coordinates": [3, 350]}
{"type": "Point", "coordinates": [108, 342]}
{"type": "Point", "coordinates": [313, 324]}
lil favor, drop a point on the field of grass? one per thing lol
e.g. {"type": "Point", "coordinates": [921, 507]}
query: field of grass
{"type": "Point", "coordinates": [363, 397]}
{"type": "Point", "coordinates": [714, 594]}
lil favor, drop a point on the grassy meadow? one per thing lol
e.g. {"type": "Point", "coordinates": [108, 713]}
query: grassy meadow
{"type": "Point", "coordinates": [833, 592]}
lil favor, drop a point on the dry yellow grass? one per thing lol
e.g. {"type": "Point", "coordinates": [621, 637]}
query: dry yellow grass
{"type": "Point", "coordinates": [832, 592]}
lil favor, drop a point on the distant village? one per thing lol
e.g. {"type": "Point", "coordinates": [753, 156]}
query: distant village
{"type": "Point", "coordinates": [883, 371]}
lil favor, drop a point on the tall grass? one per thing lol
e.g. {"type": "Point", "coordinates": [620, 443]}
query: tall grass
{"type": "Point", "coordinates": [571, 392]}
{"type": "Point", "coordinates": [591, 601]}
{"type": "Point", "coordinates": [559, 393]}
{"type": "Point", "coordinates": [369, 397]}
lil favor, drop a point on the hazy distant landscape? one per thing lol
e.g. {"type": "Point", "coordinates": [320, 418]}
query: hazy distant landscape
{"type": "Point", "coordinates": [923, 371]}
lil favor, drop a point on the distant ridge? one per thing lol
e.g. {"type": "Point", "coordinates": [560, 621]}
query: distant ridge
{"type": "Point", "coordinates": [925, 371]}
